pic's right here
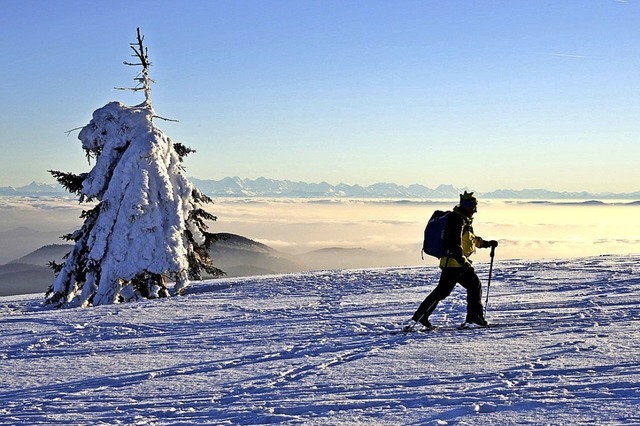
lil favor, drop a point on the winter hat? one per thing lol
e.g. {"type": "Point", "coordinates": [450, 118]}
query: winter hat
{"type": "Point", "coordinates": [468, 200]}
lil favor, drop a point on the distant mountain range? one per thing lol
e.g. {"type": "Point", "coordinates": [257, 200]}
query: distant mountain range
{"type": "Point", "coordinates": [263, 187]}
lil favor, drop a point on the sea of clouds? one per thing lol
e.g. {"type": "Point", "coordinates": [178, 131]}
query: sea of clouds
{"type": "Point", "coordinates": [390, 229]}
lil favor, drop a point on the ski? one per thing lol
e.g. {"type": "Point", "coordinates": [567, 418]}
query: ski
{"type": "Point", "coordinates": [472, 326]}
{"type": "Point", "coordinates": [463, 326]}
{"type": "Point", "coordinates": [410, 330]}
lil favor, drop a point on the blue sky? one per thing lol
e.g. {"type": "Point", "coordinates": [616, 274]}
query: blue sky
{"type": "Point", "coordinates": [480, 94]}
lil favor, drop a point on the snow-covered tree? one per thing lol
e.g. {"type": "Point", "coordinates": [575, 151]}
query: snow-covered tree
{"type": "Point", "coordinates": [147, 224]}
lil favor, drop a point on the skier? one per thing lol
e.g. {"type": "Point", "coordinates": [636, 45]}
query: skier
{"type": "Point", "coordinates": [459, 243]}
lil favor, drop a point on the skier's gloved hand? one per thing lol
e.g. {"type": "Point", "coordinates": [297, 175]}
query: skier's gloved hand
{"type": "Point", "coordinates": [493, 243]}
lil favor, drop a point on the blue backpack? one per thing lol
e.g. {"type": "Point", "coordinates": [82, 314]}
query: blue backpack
{"type": "Point", "coordinates": [433, 243]}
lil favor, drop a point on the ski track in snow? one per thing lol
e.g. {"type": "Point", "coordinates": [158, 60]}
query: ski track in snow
{"type": "Point", "coordinates": [315, 348]}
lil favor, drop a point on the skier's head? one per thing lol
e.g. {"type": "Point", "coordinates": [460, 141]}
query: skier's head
{"type": "Point", "coordinates": [468, 203]}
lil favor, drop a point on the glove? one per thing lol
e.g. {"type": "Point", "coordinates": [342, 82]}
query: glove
{"type": "Point", "coordinates": [493, 243]}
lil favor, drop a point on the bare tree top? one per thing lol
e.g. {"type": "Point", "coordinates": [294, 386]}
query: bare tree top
{"type": "Point", "coordinates": [143, 79]}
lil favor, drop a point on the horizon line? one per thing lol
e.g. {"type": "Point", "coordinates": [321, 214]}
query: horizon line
{"type": "Point", "coordinates": [585, 193]}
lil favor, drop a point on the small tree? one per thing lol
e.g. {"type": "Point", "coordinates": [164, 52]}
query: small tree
{"type": "Point", "coordinates": [147, 223]}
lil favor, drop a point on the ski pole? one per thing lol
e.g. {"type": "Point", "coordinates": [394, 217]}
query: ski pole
{"type": "Point", "coordinates": [493, 252]}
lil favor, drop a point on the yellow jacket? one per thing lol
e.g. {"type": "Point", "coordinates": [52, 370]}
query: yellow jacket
{"type": "Point", "coordinates": [469, 243]}
{"type": "Point", "coordinates": [460, 241]}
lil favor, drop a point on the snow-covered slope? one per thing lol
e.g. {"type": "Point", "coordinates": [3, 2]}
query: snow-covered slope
{"type": "Point", "coordinates": [314, 348]}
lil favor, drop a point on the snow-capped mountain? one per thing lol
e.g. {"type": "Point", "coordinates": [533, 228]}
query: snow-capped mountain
{"type": "Point", "coordinates": [264, 187]}
{"type": "Point", "coordinates": [34, 189]}
{"type": "Point", "coordinates": [316, 349]}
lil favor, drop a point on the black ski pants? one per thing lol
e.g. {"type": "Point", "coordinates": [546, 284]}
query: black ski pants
{"type": "Point", "coordinates": [467, 278]}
